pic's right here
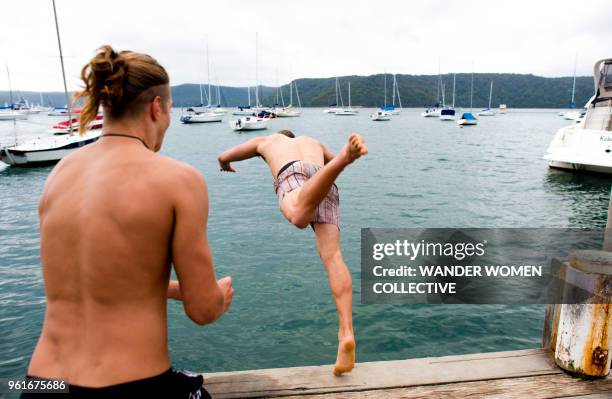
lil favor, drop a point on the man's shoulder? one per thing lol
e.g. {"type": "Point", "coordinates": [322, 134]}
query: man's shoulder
{"type": "Point", "coordinates": [178, 172]}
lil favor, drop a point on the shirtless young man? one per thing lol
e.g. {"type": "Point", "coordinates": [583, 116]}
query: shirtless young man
{"type": "Point", "coordinates": [304, 173]}
{"type": "Point", "coordinates": [114, 216]}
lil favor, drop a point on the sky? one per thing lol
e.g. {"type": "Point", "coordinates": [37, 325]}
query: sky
{"type": "Point", "coordinates": [298, 39]}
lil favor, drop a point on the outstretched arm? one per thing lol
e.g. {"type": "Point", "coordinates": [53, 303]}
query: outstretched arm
{"type": "Point", "coordinates": [239, 153]}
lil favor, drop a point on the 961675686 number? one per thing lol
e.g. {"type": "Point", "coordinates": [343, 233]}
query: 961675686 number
{"type": "Point", "coordinates": [37, 385]}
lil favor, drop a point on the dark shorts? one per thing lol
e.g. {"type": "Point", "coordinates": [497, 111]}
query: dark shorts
{"type": "Point", "coordinates": [170, 384]}
{"type": "Point", "coordinates": [293, 175]}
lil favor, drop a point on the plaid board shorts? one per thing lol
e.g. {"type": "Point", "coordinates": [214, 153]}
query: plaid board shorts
{"type": "Point", "coordinates": [294, 175]}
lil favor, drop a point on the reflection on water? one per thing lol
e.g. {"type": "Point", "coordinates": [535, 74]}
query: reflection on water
{"type": "Point", "coordinates": [586, 195]}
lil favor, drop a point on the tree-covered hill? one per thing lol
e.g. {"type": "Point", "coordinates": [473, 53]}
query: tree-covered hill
{"type": "Point", "coordinates": [517, 91]}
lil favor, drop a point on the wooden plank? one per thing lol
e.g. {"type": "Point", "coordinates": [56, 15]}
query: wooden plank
{"type": "Point", "coordinates": [539, 387]}
{"type": "Point", "coordinates": [381, 375]}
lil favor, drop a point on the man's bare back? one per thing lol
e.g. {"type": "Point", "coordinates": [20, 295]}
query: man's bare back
{"type": "Point", "coordinates": [278, 150]}
{"type": "Point", "coordinates": [114, 217]}
{"type": "Point", "coordinates": [93, 217]}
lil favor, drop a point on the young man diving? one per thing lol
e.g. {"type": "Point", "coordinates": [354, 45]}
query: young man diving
{"type": "Point", "coordinates": [304, 173]}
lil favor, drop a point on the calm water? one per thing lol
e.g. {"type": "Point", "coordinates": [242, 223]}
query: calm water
{"type": "Point", "coordinates": [419, 173]}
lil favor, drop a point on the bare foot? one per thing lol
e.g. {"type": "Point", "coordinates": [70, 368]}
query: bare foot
{"type": "Point", "coordinates": [346, 355]}
{"type": "Point", "coordinates": [354, 149]}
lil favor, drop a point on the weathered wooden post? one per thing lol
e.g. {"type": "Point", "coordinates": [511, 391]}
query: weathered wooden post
{"type": "Point", "coordinates": [584, 330]}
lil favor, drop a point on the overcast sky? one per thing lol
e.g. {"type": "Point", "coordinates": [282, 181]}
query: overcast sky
{"type": "Point", "coordinates": [310, 39]}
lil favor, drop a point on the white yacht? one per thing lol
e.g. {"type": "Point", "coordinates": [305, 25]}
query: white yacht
{"type": "Point", "coordinates": [347, 111]}
{"type": "Point", "coordinates": [249, 123]}
{"type": "Point", "coordinates": [447, 113]}
{"type": "Point", "coordinates": [193, 116]}
{"type": "Point", "coordinates": [587, 145]}
{"type": "Point", "coordinates": [381, 115]}
{"type": "Point", "coordinates": [46, 150]}
{"type": "Point", "coordinates": [431, 112]}
{"type": "Point", "coordinates": [333, 108]}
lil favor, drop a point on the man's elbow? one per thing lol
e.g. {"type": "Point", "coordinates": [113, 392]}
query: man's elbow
{"type": "Point", "coordinates": [208, 312]}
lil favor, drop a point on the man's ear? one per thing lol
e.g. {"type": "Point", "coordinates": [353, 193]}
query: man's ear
{"type": "Point", "coordinates": [156, 108]}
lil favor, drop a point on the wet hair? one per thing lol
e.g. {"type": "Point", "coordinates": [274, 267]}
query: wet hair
{"type": "Point", "coordinates": [287, 133]}
{"type": "Point", "coordinates": [122, 82]}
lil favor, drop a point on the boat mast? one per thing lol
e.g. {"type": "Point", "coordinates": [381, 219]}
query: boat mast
{"type": "Point", "coordinates": [208, 72]}
{"type": "Point", "coordinates": [256, 73]}
{"type": "Point", "coordinates": [291, 93]}
{"type": "Point", "coordinates": [454, 80]}
{"type": "Point", "coordinates": [394, 88]}
{"type": "Point", "coordinates": [8, 75]}
{"type": "Point", "coordinates": [336, 91]}
{"type": "Point", "coordinates": [385, 99]}
{"type": "Point", "coordinates": [59, 45]}
{"type": "Point", "coordinates": [490, 94]}
{"type": "Point", "coordinates": [297, 93]}
{"type": "Point", "coordinates": [439, 83]}
{"type": "Point", "coordinates": [443, 94]}
{"type": "Point", "coordinates": [249, 95]}
{"type": "Point", "coordinates": [571, 104]}
{"type": "Point", "coordinates": [399, 99]}
{"type": "Point", "coordinates": [472, 87]}
{"type": "Point", "coordinates": [349, 89]}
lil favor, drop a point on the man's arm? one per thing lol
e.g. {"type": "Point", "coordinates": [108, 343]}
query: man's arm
{"type": "Point", "coordinates": [239, 153]}
{"type": "Point", "coordinates": [327, 154]}
{"type": "Point", "coordinates": [204, 298]}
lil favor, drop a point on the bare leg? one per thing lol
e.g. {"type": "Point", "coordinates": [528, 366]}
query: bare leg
{"type": "Point", "coordinates": [328, 244]}
{"type": "Point", "coordinates": [299, 205]}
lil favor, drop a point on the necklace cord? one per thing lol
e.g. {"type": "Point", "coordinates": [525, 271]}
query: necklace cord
{"type": "Point", "coordinates": [127, 136]}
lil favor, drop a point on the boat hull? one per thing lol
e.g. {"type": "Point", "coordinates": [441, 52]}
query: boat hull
{"type": "Point", "coordinates": [205, 117]}
{"type": "Point", "coordinates": [12, 116]}
{"type": "Point", "coordinates": [247, 123]}
{"type": "Point", "coordinates": [581, 150]}
{"type": "Point", "coordinates": [44, 156]}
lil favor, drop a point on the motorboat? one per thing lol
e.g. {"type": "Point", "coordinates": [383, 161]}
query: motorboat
{"type": "Point", "coordinates": [503, 108]}
{"type": "Point", "coordinates": [332, 109]}
{"type": "Point", "coordinates": [431, 112]}
{"type": "Point", "coordinates": [243, 110]}
{"type": "Point", "coordinates": [47, 149]}
{"type": "Point", "coordinates": [587, 145]}
{"type": "Point", "coordinates": [249, 123]}
{"type": "Point", "coordinates": [447, 114]}
{"type": "Point", "coordinates": [193, 116]}
{"type": "Point", "coordinates": [59, 112]}
{"type": "Point", "coordinates": [573, 115]}
{"type": "Point", "coordinates": [65, 127]}
{"type": "Point", "coordinates": [381, 115]}
{"type": "Point", "coordinates": [467, 119]}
